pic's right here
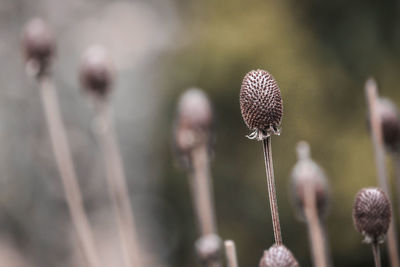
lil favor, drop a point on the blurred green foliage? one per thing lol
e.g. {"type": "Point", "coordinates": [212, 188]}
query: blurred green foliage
{"type": "Point", "coordinates": [321, 53]}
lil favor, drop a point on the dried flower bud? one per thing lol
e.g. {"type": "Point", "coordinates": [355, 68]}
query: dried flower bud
{"type": "Point", "coordinates": [261, 104]}
{"type": "Point", "coordinates": [390, 123]}
{"type": "Point", "coordinates": [193, 120]}
{"type": "Point", "coordinates": [307, 173]}
{"type": "Point", "coordinates": [97, 71]}
{"type": "Point", "coordinates": [208, 249]}
{"type": "Point", "coordinates": [372, 214]}
{"type": "Point", "coordinates": [38, 45]}
{"type": "Point", "coordinates": [278, 256]}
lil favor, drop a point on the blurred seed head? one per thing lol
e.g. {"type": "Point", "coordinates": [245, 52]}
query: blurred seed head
{"type": "Point", "coordinates": [261, 104]}
{"type": "Point", "coordinates": [390, 123]}
{"type": "Point", "coordinates": [278, 256]}
{"type": "Point", "coordinates": [97, 71]}
{"type": "Point", "coordinates": [372, 214]}
{"type": "Point", "coordinates": [208, 249]}
{"type": "Point", "coordinates": [193, 122]}
{"type": "Point", "coordinates": [38, 46]}
{"type": "Point", "coordinates": [307, 173]}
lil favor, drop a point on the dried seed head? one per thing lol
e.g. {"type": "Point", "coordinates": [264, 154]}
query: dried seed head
{"type": "Point", "coordinates": [261, 104]}
{"type": "Point", "coordinates": [372, 214]}
{"type": "Point", "coordinates": [97, 71]}
{"type": "Point", "coordinates": [208, 249]}
{"type": "Point", "coordinates": [390, 123]}
{"type": "Point", "coordinates": [305, 174]}
{"type": "Point", "coordinates": [193, 120]}
{"type": "Point", "coordinates": [278, 256]}
{"type": "Point", "coordinates": [38, 45]}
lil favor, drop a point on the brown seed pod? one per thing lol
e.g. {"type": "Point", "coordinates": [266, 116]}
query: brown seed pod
{"type": "Point", "coordinates": [38, 45]}
{"type": "Point", "coordinates": [390, 123]}
{"type": "Point", "coordinates": [193, 122]}
{"type": "Point", "coordinates": [307, 173]}
{"type": "Point", "coordinates": [278, 256]}
{"type": "Point", "coordinates": [208, 249]}
{"type": "Point", "coordinates": [372, 214]}
{"type": "Point", "coordinates": [97, 71]}
{"type": "Point", "coordinates": [261, 104]}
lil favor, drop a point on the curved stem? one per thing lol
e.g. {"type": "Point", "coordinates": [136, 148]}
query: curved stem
{"type": "Point", "coordinates": [271, 190]}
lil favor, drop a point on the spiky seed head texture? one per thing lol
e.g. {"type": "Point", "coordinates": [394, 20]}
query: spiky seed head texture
{"type": "Point", "coordinates": [307, 173]}
{"type": "Point", "coordinates": [194, 119]}
{"type": "Point", "coordinates": [97, 71]}
{"type": "Point", "coordinates": [278, 256]}
{"type": "Point", "coordinates": [38, 44]}
{"type": "Point", "coordinates": [372, 214]}
{"type": "Point", "coordinates": [390, 123]}
{"type": "Point", "coordinates": [261, 103]}
{"type": "Point", "coordinates": [208, 249]}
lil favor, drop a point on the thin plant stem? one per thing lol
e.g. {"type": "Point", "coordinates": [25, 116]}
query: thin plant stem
{"type": "Point", "coordinates": [377, 254]}
{"type": "Point", "coordinates": [271, 190]}
{"type": "Point", "coordinates": [396, 163]}
{"type": "Point", "coordinates": [377, 140]}
{"type": "Point", "coordinates": [117, 186]}
{"type": "Point", "coordinates": [315, 229]}
{"type": "Point", "coordinates": [230, 252]}
{"type": "Point", "coordinates": [67, 170]}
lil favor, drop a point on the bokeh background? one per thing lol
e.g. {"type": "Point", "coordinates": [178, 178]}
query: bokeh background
{"type": "Point", "coordinates": [320, 52]}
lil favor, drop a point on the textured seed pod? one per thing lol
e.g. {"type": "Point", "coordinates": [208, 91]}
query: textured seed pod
{"type": "Point", "coordinates": [307, 173]}
{"type": "Point", "coordinates": [208, 249]}
{"type": "Point", "coordinates": [261, 104]}
{"type": "Point", "coordinates": [390, 124]}
{"type": "Point", "coordinates": [38, 45]}
{"type": "Point", "coordinates": [194, 119]}
{"type": "Point", "coordinates": [97, 71]}
{"type": "Point", "coordinates": [278, 256]}
{"type": "Point", "coordinates": [372, 214]}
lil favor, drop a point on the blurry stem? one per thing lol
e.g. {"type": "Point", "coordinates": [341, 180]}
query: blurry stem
{"type": "Point", "coordinates": [67, 170]}
{"type": "Point", "coordinates": [117, 185]}
{"type": "Point", "coordinates": [315, 229]}
{"type": "Point", "coordinates": [377, 254]}
{"type": "Point", "coordinates": [396, 163]}
{"type": "Point", "coordinates": [230, 252]}
{"type": "Point", "coordinates": [377, 140]}
{"type": "Point", "coordinates": [271, 190]}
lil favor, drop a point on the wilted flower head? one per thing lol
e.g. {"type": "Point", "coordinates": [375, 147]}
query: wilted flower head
{"type": "Point", "coordinates": [389, 114]}
{"type": "Point", "coordinates": [278, 256]}
{"type": "Point", "coordinates": [261, 104]}
{"type": "Point", "coordinates": [208, 249]}
{"type": "Point", "coordinates": [97, 71]}
{"type": "Point", "coordinates": [38, 45]}
{"type": "Point", "coordinates": [372, 214]}
{"type": "Point", "coordinates": [308, 174]}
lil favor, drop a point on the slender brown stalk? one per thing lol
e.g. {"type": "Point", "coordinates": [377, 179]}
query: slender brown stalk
{"type": "Point", "coordinates": [315, 229]}
{"type": "Point", "coordinates": [67, 170]}
{"type": "Point", "coordinates": [396, 164]}
{"type": "Point", "coordinates": [377, 254]}
{"type": "Point", "coordinates": [377, 140]}
{"type": "Point", "coordinates": [117, 186]}
{"type": "Point", "coordinates": [271, 190]}
{"type": "Point", "coordinates": [230, 252]}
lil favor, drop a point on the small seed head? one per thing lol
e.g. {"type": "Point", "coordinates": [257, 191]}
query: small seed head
{"type": "Point", "coordinates": [305, 174]}
{"type": "Point", "coordinates": [390, 123]}
{"type": "Point", "coordinates": [194, 119]}
{"type": "Point", "coordinates": [97, 71]}
{"type": "Point", "coordinates": [278, 256]}
{"type": "Point", "coordinates": [38, 45]}
{"type": "Point", "coordinates": [208, 249]}
{"type": "Point", "coordinates": [261, 104]}
{"type": "Point", "coordinates": [372, 214]}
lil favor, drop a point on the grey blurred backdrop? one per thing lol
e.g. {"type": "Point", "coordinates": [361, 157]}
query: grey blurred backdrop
{"type": "Point", "coordinates": [320, 52]}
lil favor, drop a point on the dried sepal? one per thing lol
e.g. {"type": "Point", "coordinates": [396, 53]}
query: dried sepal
{"type": "Point", "coordinates": [278, 256]}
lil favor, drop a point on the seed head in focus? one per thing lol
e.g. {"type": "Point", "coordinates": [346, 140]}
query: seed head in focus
{"type": "Point", "coordinates": [278, 256]}
{"type": "Point", "coordinates": [372, 214]}
{"type": "Point", "coordinates": [38, 45]}
{"type": "Point", "coordinates": [308, 173]}
{"type": "Point", "coordinates": [261, 104]}
{"type": "Point", "coordinates": [208, 249]}
{"type": "Point", "coordinates": [97, 71]}
{"type": "Point", "coordinates": [390, 124]}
